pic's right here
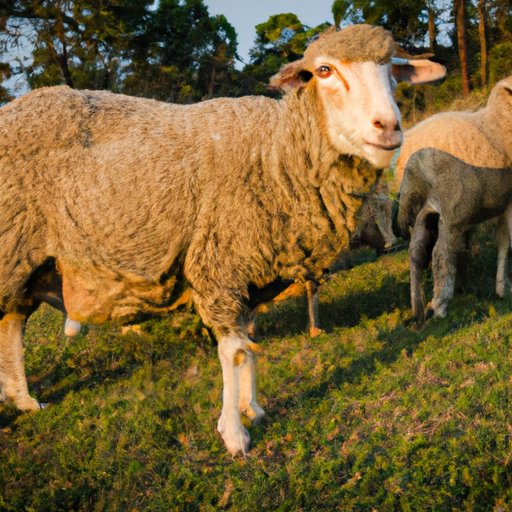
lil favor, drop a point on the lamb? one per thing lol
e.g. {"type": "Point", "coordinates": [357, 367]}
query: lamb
{"type": "Point", "coordinates": [112, 206]}
{"type": "Point", "coordinates": [455, 170]}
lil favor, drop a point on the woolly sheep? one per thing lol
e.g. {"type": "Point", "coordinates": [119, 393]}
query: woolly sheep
{"type": "Point", "coordinates": [374, 229]}
{"type": "Point", "coordinates": [113, 205]}
{"type": "Point", "coordinates": [455, 170]}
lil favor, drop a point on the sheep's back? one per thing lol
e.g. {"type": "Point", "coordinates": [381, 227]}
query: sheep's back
{"type": "Point", "coordinates": [116, 186]}
{"type": "Point", "coordinates": [462, 135]}
{"type": "Point", "coordinates": [122, 174]}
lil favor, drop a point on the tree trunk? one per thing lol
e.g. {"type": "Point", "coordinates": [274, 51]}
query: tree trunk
{"type": "Point", "coordinates": [431, 28]}
{"type": "Point", "coordinates": [63, 58]}
{"type": "Point", "coordinates": [460, 21]}
{"type": "Point", "coordinates": [482, 30]}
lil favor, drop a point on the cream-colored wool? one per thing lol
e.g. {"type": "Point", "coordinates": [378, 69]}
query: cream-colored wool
{"type": "Point", "coordinates": [480, 138]}
{"type": "Point", "coordinates": [454, 171]}
{"type": "Point", "coordinates": [114, 206]}
{"type": "Point", "coordinates": [356, 43]}
{"type": "Point", "coordinates": [102, 158]}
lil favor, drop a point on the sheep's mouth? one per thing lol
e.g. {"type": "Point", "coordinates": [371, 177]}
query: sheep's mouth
{"type": "Point", "coordinates": [385, 147]}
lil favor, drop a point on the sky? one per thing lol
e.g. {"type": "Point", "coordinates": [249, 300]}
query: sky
{"type": "Point", "coordinates": [244, 15]}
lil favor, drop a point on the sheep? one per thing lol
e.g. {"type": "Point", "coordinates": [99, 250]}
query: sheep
{"type": "Point", "coordinates": [455, 170]}
{"type": "Point", "coordinates": [112, 205]}
{"type": "Point", "coordinates": [374, 230]}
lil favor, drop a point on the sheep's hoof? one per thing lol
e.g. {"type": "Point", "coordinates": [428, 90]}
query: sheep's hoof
{"type": "Point", "coordinates": [27, 403]}
{"type": "Point", "coordinates": [315, 331]}
{"type": "Point", "coordinates": [235, 437]}
{"type": "Point", "coordinates": [254, 412]}
{"type": "Point", "coordinates": [71, 327]}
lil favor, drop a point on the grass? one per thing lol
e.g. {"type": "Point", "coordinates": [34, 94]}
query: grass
{"type": "Point", "coordinates": [375, 414]}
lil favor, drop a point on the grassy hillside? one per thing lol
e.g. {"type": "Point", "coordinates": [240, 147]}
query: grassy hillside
{"type": "Point", "coordinates": [373, 415]}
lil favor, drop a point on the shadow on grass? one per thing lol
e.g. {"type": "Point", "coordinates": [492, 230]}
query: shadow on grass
{"type": "Point", "coordinates": [104, 355]}
{"type": "Point", "coordinates": [8, 414]}
{"type": "Point", "coordinates": [291, 317]}
{"type": "Point", "coordinates": [394, 343]}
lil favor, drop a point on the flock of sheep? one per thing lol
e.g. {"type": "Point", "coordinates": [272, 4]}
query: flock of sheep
{"type": "Point", "coordinates": [114, 207]}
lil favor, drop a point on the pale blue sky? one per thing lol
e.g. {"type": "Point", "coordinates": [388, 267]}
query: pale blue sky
{"type": "Point", "coordinates": [244, 15]}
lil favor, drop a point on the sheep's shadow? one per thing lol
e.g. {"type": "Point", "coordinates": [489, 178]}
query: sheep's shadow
{"type": "Point", "coordinates": [291, 318]}
{"type": "Point", "coordinates": [393, 344]}
{"type": "Point", "coordinates": [89, 360]}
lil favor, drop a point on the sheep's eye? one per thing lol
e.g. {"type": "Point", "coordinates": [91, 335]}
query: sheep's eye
{"type": "Point", "coordinates": [323, 71]}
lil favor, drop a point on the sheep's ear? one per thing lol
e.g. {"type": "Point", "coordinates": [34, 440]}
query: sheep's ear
{"type": "Point", "coordinates": [291, 76]}
{"type": "Point", "coordinates": [416, 71]}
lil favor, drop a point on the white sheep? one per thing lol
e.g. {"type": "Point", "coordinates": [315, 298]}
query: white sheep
{"type": "Point", "coordinates": [113, 205]}
{"type": "Point", "coordinates": [455, 170]}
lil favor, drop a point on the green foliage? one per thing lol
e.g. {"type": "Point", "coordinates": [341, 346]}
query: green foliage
{"type": "Point", "coordinates": [183, 55]}
{"type": "Point", "coordinates": [173, 51]}
{"type": "Point", "coordinates": [281, 39]}
{"type": "Point", "coordinates": [373, 414]}
{"type": "Point", "coordinates": [500, 62]}
{"type": "Point", "coordinates": [407, 19]}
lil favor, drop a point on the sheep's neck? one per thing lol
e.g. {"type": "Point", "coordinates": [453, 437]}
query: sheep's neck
{"type": "Point", "coordinates": [328, 187]}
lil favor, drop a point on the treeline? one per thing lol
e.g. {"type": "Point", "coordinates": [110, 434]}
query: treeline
{"type": "Point", "coordinates": [174, 50]}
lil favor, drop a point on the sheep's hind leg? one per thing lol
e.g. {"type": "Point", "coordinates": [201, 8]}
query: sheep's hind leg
{"type": "Point", "coordinates": [420, 252]}
{"type": "Point", "coordinates": [248, 401]}
{"type": "Point", "coordinates": [312, 295]}
{"type": "Point", "coordinates": [503, 239]}
{"type": "Point", "coordinates": [13, 382]}
{"type": "Point", "coordinates": [444, 258]}
{"type": "Point", "coordinates": [233, 350]}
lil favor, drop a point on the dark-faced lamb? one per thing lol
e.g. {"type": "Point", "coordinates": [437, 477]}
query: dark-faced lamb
{"type": "Point", "coordinates": [113, 205]}
{"type": "Point", "coordinates": [455, 170]}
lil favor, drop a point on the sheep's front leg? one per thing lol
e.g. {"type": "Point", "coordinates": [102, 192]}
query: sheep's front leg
{"type": "Point", "coordinates": [444, 266]}
{"type": "Point", "coordinates": [232, 352]}
{"type": "Point", "coordinates": [312, 295]}
{"type": "Point", "coordinates": [13, 382]}
{"type": "Point", "coordinates": [248, 399]}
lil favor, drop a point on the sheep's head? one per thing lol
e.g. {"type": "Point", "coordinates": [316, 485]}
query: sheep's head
{"type": "Point", "coordinates": [354, 72]}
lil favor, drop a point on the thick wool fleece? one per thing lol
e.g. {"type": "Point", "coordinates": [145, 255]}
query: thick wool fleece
{"type": "Point", "coordinates": [134, 200]}
{"type": "Point", "coordinates": [459, 155]}
{"type": "Point", "coordinates": [356, 43]}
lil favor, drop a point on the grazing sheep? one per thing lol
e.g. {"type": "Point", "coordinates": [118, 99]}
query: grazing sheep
{"type": "Point", "coordinates": [113, 205]}
{"type": "Point", "coordinates": [455, 170]}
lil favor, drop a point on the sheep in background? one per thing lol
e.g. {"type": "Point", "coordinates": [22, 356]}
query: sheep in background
{"type": "Point", "coordinates": [113, 205]}
{"type": "Point", "coordinates": [455, 170]}
{"type": "Point", "coordinates": [374, 229]}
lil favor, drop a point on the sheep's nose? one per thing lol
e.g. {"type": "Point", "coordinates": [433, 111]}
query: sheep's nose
{"type": "Point", "coordinates": [387, 131]}
{"type": "Point", "coordinates": [384, 125]}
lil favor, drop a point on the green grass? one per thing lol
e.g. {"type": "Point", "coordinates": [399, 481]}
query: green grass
{"type": "Point", "coordinates": [373, 415]}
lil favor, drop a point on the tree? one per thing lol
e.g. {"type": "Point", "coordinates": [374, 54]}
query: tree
{"type": "Point", "coordinates": [281, 39]}
{"type": "Point", "coordinates": [77, 42]}
{"type": "Point", "coordinates": [176, 52]}
{"type": "Point", "coordinates": [4, 73]}
{"type": "Point", "coordinates": [407, 20]}
{"type": "Point", "coordinates": [345, 10]}
{"type": "Point", "coordinates": [460, 23]}
{"type": "Point", "coordinates": [431, 13]}
{"type": "Point", "coordinates": [183, 53]}
{"type": "Point", "coordinates": [483, 41]}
